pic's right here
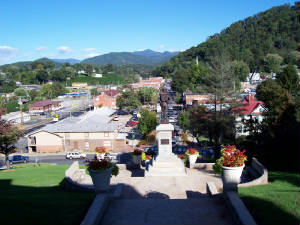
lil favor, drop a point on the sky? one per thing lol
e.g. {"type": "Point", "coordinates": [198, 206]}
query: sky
{"type": "Point", "coordinates": [60, 29]}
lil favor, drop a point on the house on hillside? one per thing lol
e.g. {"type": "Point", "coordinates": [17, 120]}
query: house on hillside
{"type": "Point", "coordinates": [107, 98]}
{"type": "Point", "coordinates": [44, 105]}
{"type": "Point", "coordinates": [83, 133]}
{"type": "Point", "coordinates": [250, 108]}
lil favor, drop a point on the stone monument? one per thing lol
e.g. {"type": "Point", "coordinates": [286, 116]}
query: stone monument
{"type": "Point", "coordinates": [166, 162]}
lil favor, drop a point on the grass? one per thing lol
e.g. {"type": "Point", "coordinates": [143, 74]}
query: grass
{"type": "Point", "coordinates": [275, 203]}
{"type": "Point", "coordinates": [33, 194]}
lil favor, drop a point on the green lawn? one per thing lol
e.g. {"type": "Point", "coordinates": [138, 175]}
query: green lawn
{"type": "Point", "coordinates": [34, 195]}
{"type": "Point", "coordinates": [275, 203]}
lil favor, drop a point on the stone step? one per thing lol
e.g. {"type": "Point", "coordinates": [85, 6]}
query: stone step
{"type": "Point", "coordinates": [167, 164]}
{"type": "Point", "coordinates": [165, 174]}
{"type": "Point", "coordinates": [166, 169]}
{"type": "Point", "coordinates": [167, 212]}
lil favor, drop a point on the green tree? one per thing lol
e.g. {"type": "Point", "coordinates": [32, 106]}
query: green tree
{"type": "Point", "coordinates": [50, 91]}
{"type": "Point", "coordinates": [147, 122]}
{"type": "Point", "coordinates": [20, 92]}
{"type": "Point", "coordinates": [89, 69]}
{"type": "Point", "coordinates": [9, 135]}
{"type": "Point", "coordinates": [148, 95]}
{"type": "Point", "coordinates": [183, 120]}
{"type": "Point", "coordinates": [128, 100]}
{"type": "Point", "coordinates": [42, 76]}
{"type": "Point", "coordinates": [58, 75]}
{"type": "Point", "coordinates": [239, 70]}
{"type": "Point", "coordinates": [289, 79]}
{"type": "Point", "coordinates": [198, 74]}
{"type": "Point", "coordinates": [94, 91]}
{"type": "Point", "coordinates": [180, 81]}
{"type": "Point", "coordinates": [273, 62]}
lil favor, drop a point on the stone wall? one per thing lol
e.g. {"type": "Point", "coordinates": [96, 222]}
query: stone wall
{"type": "Point", "coordinates": [73, 175]}
{"type": "Point", "coordinates": [259, 172]}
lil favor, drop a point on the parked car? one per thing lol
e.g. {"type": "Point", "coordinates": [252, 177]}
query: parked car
{"type": "Point", "coordinates": [131, 123]}
{"type": "Point", "coordinates": [122, 112]}
{"type": "Point", "coordinates": [116, 118]}
{"type": "Point", "coordinates": [17, 159]}
{"type": "Point", "coordinates": [171, 120]}
{"type": "Point", "coordinates": [75, 155]}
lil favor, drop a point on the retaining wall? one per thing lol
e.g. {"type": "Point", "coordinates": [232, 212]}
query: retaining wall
{"type": "Point", "coordinates": [259, 172]}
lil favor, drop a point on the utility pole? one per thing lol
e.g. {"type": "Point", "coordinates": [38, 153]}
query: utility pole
{"type": "Point", "coordinates": [21, 111]}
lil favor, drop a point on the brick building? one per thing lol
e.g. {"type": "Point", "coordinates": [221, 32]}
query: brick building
{"type": "Point", "coordinates": [44, 105]}
{"type": "Point", "coordinates": [154, 82]}
{"type": "Point", "coordinates": [107, 98]}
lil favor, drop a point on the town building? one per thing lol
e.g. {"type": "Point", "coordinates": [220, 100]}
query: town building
{"type": "Point", "coordinates": [202, 99]}
{"type": "Point", "coordinates": [79, 85]}
{"type": "Point", "coordinates": [16, 117]}
{"type": "Point", "coordinates": [83, 133]}
{"type": "Point", "coordinates": [44, 105]}
{"type": "Point", "coordinates": [107, 98]}
{"type": "Point", "coordinates": [250, 108]}
{"type": "Point", "coordinates": [154, 82]}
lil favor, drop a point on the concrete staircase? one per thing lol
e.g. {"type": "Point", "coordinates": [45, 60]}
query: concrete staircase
{"type": "Point", "coordinates": [201, 211]}
{"type": "Point", "coordinates": [166, 166]}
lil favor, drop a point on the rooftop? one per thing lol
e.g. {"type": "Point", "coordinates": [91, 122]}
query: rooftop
{"type": "Point", "coordinates": [93, 121]}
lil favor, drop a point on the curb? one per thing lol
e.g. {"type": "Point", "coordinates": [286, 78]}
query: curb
{"type": "Point", "coordinates": [239, 211]}
{"type": "Point", "coordinates": [99, 206]}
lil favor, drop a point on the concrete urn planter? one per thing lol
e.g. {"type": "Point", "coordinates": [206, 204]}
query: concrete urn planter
{"type": "Point", "coordinates": [136, 159]}
{"type": "Point", "coordinates": [231, 177]}
{"type": "Point", "coordinates": [101, 179]}
{"type": "Point", "coordinates": [192, 159]}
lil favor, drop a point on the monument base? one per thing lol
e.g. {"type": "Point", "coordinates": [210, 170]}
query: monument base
{"type": "Point", "coordinates": [162, 166]}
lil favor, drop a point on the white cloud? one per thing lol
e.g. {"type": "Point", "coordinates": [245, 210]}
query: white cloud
{"type": "Point", "coordinates": [161, 46]}
{"type": "Point", "coordinates": [91, 55]}
{"type": "Point", "coordinates": [89, 49]}
{"type": "Point", "coordinates": [64, 50]}
{"type": "Point", "coordinates": [141, 49]}
{"type": "Point", "coordinates": [7, 53]}
{"type": "Point", "coordinates": [6, 50]}
{"type": "Point", "coordinates": [41, 48]}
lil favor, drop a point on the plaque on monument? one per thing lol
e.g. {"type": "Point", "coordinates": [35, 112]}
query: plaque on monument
{"type": "Point", "coordinates": [164, 141]}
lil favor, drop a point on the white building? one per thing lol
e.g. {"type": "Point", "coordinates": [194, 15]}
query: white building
{"type": "Point", "coordinates": [15, 117]}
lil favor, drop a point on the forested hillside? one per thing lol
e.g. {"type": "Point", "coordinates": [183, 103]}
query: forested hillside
{"type": "Point", "coordinates": [275, 31]}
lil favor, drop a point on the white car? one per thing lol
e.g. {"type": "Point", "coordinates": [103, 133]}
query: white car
{"type": "Point", "coordinates": [171, 120]}
{"type": "Point", "coordinates": [75, 155]}
{"type": "Point", "coordinates": [116, 118]}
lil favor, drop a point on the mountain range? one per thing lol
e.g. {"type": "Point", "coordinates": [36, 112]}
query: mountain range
{"type": "Point", "coordinates": [146, 57]}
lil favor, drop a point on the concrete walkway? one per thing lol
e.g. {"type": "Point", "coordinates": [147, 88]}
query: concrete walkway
{"type": "Point", "coordinates": [166, 200]}
{"type": "Point", "coordinates": [137, 186]}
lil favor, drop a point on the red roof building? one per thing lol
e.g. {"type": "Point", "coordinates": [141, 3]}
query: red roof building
{"type": "Point", "coordinates": [250, 108]}
{"type": "Point", "coordinates": [44, 105]}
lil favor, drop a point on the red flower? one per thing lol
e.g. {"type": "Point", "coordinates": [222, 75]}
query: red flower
{"type": "Point", "coordinates": [192, 151]}
{"type": "Point", "coordinates": [233, 157]}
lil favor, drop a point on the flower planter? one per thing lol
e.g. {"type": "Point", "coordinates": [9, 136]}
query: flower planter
{"type": "Point", "coordinates": [136, 159]}
{"type": "Point", "coordinates": [101, 155]}
{"type": "Point", "coordinates": [231, 177]}
{"type": "Point", "coordinates": [192, 159]}
{"type": "Point", "coordinates": [101, 179]}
